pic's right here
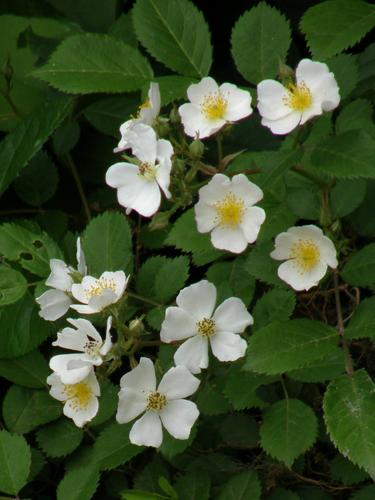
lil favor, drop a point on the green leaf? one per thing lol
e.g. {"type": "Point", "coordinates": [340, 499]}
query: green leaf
{"type": "Point", "coordinates": [211, 401]}
{"type": "Point", "coordinates": [107, 242]}
{"type": "Point", "coordinates": [345, 69]}
{"type": "Point", "coordinates": [172, 447]}
{"type": "Point", "coordinates": [37, 463]}
{"type": "Point", "coordinates": [286, 345]}
{"type": "Point", "coordinates": [284, 494]}
{"type": "Point", "coordinates": [362, 323]}
{"type": "Point", "coordinates": [261, 266]}
{"type": "Point", "coordinates": [349, 413]}
{"type": "Point", "coordinates": [335, 25]}
{"type": "Point", "coordinates": [175, 33]}
{"type": "Point", "coordinates": [346, 472]}
{"type": "Point", "coordinates": [25, 409]}
{"type": "Point", "coordinates": [356, 115]}
{"type": "Point", "coordinates": [148, 478]}
{"type": "Point", "coordinates": [32, 250]}
{"type": "Point", "coordinates": [173, 87]}
{"type": "Point", "coordinates": [92, 15]}
{"type": "Point", "coordinates": [260, 42]}
{"type": "Point", "coordinates": [66, 137]}
{"type": "Point", "coordinates": [361, 220]}
{"type": "Point", "coordinates": [15, 461]}
{"type": "Point", "coordinates": [365, 493]}
{"type": "Point", "coordinates": [161, 278]}
{"type": "Point", "coordinates": [289, 429]}
{"type": "Point", "coordinates": [360, 268]}
{"type": "Point", "coordinates": [108, 402]}
{"type": "Point", "coordinates": [79, 484]}
{"type": "Point", "coordinates": [236, 379]}
{"type": "Point", "coordinates": [59, 438]}
{"type": "Point", "coordinates": [21, 328]}
{"type": "Point", "coordinates": [12, 285]}
{"type": "Point", "coordinates": [17, 149]}
{"type": "Point", "coordinates": [38, 181]}
{"type": "Point", "coordinates": [199, 244]}
{"type": "Point", "coordinates": [84, 64]}
{"type": "Point", "coordinates": [240, 430]}
{"type": "Point", "coordinates": [194, 485]}
{"type": "Point", "coordinates": [366, 69]}
{"type": "Point", "coordinates": [30, 370]}
{"type": "Point", "coordinates": [242, 486]}
{"type": "Point", "coordinates": [321, 370]}
{"type": "Point", "coordinates": [346, 196]}
{"type": "Point", "coordinates": [305, 202]}
{"type": "Point", "coordinates": [113, 448]}
{"type": "Point", "coordinates": [142, 495]}
{"type": "Point", "coordinates": [123, 30]}
{"type": "Point", "coordinates": [272, 306]}
{"type": "Point", "coordinates": [348, 155]}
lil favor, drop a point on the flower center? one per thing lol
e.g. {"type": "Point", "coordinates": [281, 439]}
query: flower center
{"type": "Point", "coordinates": [230, 211]}
{"type": "Point", "coordinates": [306, 254]}
{"type": "Point", "coordinates": [299, 97]}
{"type": "Point", "coordinates": [206, 327]}
{"type": "Point", "coordinates": [80, 395]}
{"type": "Point", "coordinates": [99, 287]}
{"type": "Point", "coordinates": [147, 171]}
{"type": "Point", "coordinates": [92, 347]}
{"type": "Point", "coordinates": [214, 106]}
{"type": "Point", "coordinates": [156, 401]}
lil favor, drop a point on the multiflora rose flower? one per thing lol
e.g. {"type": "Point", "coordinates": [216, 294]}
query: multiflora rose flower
{"type": "Point", "coordinates": [81, 399]}
{"type": "Point", "coordinates": [284, 108]}
{"type": "Point", "coordinates": [307, 252]}
{"type": "Point", "coordinates": [84, 338]}
{"type": "Point", "coordinates": [95, 294]}
{"type": "Point", "coordinates": [139, 186]}
{"type": "Point", "coordinates": [148, 112]}
{"type": "Point", "coordinates": [55, 303]}
{"type": "Point", "coordinates": [196, 319]}
{"type": "Point", "coordinates": [163, 405]}
{"type": "Point", "coordinates": [211, 107]}
{"type": "Point", "coordinates": [225, 208]}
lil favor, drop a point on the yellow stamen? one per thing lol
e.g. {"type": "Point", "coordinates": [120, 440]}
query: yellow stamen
{"type": "Point", "coordinates": [299, 97]}
{"type": "Point", "coordinates": [230, 211]}
{"type": "Point", "coordinates": [80, 395]}
{"type": "Point", "coordinates": [156, 401]}
{"type": "Point", "coordinates": [92, 348]}
{"type": "Point", "coordinates": [99, 287]}
{"type": "Point", "coordinates": [306, 254]}
{"type": "Point", "coordinates": [206, 327]}
{"type": "Point", "coordinates": [147, 171]}
{"type": "Point", "coordinates": [214, 106]}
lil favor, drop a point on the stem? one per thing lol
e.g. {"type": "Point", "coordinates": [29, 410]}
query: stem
{"type": "Point", "coordinates": [341, 326]}
{"type": "Point", "coordinates": [143, 299]}
{"type": "Point", "coordinates": [77, 180]}
{"type": "Point", "coordinates": [309, 175]}
{"type": "Point", "coordinates": [284, 387]}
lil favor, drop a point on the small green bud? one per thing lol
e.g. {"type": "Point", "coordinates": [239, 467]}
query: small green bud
{"type": "Point", "coordinates": [174, 116]}
{"type": "Point", "coordinates": [162, 127]}
{"type": "Point", "coordinates": [136, 327]}
{"type": "Point", "coordinates": [196, 148]}
{"type": "Point", "coordinates": [159, 221]}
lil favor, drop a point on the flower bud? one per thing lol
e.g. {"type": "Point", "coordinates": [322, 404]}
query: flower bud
{"type": "Point", "coordinates": [159, 221]}
{"type": "Point", "coordinates": [136, 327]}
{"type": "Point", "coordinates": [196, 148]}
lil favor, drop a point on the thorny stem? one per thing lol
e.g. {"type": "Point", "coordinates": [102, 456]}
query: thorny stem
{"type": "Point", "coordinates": [341, 326]}
{"type": "Point", "coordinates": [73, 168]}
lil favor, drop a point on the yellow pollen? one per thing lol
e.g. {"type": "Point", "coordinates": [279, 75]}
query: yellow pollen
{"type": "Point", "coordinates": [99, 287]}
{"type": "Point", "coordinates": [214, 106]}
{"type": "Point", "coordinates": [230, 211]}
{"type": "Point", "coordinates": [306, 254]}
{"type": "Point", "coordinates": [147, 171]}
{"type": "Point", "coordinates": [299, 97]}
{"type": "Point", "coordinates": [156, 401]}
{"type": "Point", "coordinates": [206, 327]}
{"type": "Point", "coordinates": [80, 395]}
{"type": "Point", "coordinates": [145, 105]}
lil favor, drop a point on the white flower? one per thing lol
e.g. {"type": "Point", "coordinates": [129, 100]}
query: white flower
{"type": "Point", "coordinates": [163, 405]}
{"type": "Point", "coordinates": [284, 108]}
{"type": "Point", "coordinates": [138, 186]}
{"type": "Point", "coordinates": [194, 319]}
{"type": "Point", "coordinates": [211, 107]}
{"type": "Point", "coordinates": [97, 293]}
{"type": "Point", "coordinates": [55, 303]}
{"type": "Point", "coordinates": [225, 207]}
{"type": "Point", "coordinates": [84, 337]}
{"type": "Point", "coordinates": [148, 111]}
{"type": "Point", "coordinates": [307, 252]}
{"type": "Point", "coordinates": [81, 400]}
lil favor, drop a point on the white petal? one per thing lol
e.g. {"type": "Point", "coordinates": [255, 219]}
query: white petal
{"type": "Point", "coordinates": [60, 277]}
{"type": "Point", "coordinates": [178, 383]}
{"type": "Point", "coordinates": [54, 304]}
{"type": "Point", "coordinates": [245, 189]}
{"type": "Point", "coordinates": [72, 368]}
{"type": "Point", "coordinates": [197, 92]}
{"type": "Point", "coordinates": [291, 273]}
{"type": "Point", "coordinates": [141, 378]}
{"type": "Point", "coordinates": [125, 131]}
{"type": "Point", "coordinates": [122, 174]}
{"type": "Point", "coordinates": [107, 346]}
{"type": "Point", "coordinates": [239, 102]}
{"type": "Point", "coordinates": [86, 328]}
{"type": "Point", "coordinates": [131, 404]}
{"type": "Point", "coordinates": [228, 346]}
{"type": "Point", "coordinates": [283, 125]}
{"type": "Point", "coordinates": [309, 231]}
{"type": "Point", "coordinates": [311, 73]}
{"type": "Point", "coordinates": [218, 187]}
{"type": "Point", "coordinates": [99, 302]}
{"type": "Point", "coordinates": [178, 417]}
{"type": "Point", "coordinates": [198, 300]}
{"type": "Point", "coordinates": [118, 277]}
{"type": "Point", "coordinates": [177, 325]}
{"type": "Point", "coordinates": [328, 252]}
{"type": "Point", "coordinates": [205, 216]}
{"type": "Point", "coordinates": [193, 354]}
{"type": "Point", "coordinates": [232, 316]}
{"type": "Point", "coordinates": [84, 309]}
{"type": "Point", "coordinates": [147, 431]}
{"type": "Point", "coordinates": [226, 238]}
{"type": "Point", "coordinates": [330, 96]}
{"type": "Point", "coordinates": [81, 416]}
{"type": "Point", "coordinates": [271, 97]}
{"type": "Point", "coordinates": [196, 124]}
{"type": "Point", "coordinates": [148, 199]}
{"type": "Point", "coordinates": [144, 143]}
{"type": "Point", "coordinates": [283, 245]}
{"type": "Point", "coordinates": [81, 260]}
{"type": "Point", "coordinates": [253, 219]}
{"type": "Point", "coordinates": [72, 339]}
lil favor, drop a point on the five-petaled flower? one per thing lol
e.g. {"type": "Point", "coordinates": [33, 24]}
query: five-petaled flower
{"type": "Point", "coordinates": [196, 319]}
{"type": "Point", "coordinates": [138, 186]}
{"type": "Point", "coordinates": [225, 208]}
{"type": "Point", "coordinates": [147, 113]}
{"type": "Point", "coordinates": [81, 399]}
{"type": "Point", "coordinates": [165, 404]}
{"type": "Point", "coordinates": [307, 252]}
{"type": "Point", "coordinates": [211, 107]}
{"type": "Point", "coordinates": [95, 294]}
{"type": "Point", "coordinates": [284, 108]}
{"type": "Point", "coordinates": [84, 338]}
